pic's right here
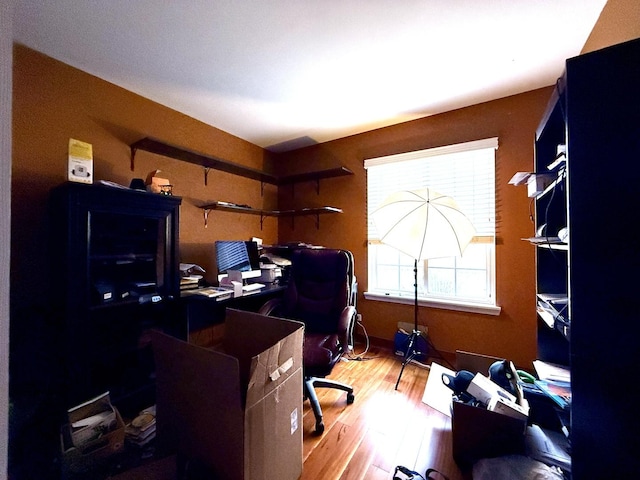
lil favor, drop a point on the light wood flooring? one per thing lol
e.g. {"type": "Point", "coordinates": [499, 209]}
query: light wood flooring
{"type": "Point", "coordinates": [383, 428]}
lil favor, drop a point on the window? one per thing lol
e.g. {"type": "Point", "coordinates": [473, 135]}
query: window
{"type": "Point", "coordinates": [465, 172]}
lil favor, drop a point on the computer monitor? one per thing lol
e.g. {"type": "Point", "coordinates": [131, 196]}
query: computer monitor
{"type": "Point", "coordinates": [237, 255]}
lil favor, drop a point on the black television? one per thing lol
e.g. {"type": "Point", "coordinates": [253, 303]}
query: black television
{"type": "Point", "coordinates": [237, 255]}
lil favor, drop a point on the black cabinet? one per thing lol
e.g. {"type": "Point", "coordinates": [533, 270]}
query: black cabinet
{"type": "Point", "coordinates": [117, 276]}
{"type": "Point", "coordinates": [589, 141]}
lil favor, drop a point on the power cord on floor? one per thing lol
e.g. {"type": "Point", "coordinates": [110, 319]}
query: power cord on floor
{"type": "Point", "coordinates": [403, 473]}
{"type": "Point", "coordinates": [360, 356]}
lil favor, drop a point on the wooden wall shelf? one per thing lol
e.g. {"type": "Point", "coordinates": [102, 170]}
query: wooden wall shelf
{"type": "Point", "coordinates": [152, 145]}
{"type": "Point", "coordinates": [229, 207]}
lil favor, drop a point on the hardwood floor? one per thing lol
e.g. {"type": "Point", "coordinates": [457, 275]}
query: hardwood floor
{"type": "Point", "coordinates": [366, 440]}
{"type": "Point", "coordinates": [383, 428]}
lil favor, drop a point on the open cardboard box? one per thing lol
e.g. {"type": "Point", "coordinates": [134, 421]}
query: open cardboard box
{"type": "Point", "coordinates": [86, 447]}
{"type": "Point", "coordinates": [476, 432]}
{"type": "Point", "coordinates": [236, 408]}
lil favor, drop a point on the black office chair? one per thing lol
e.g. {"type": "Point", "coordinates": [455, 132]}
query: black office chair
{"type": "Point", "coordinates": [319, 293]}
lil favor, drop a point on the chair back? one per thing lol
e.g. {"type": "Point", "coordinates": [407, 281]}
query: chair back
{"type": "Point", "coordinates": [318, 289]}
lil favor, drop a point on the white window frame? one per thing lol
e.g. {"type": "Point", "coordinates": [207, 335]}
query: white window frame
{"type": "Point", "coordinates": [485, 236]}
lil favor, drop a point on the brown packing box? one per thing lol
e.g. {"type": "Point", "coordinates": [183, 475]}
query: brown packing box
{"type": "Point", "coordinates": [93, 450]}
{"type": "Point", "coordinates": [236, 408]}
{"type": "Point", "coordinates": [88, 420]}
{"type": "Point", "coordinates": [477, 432]}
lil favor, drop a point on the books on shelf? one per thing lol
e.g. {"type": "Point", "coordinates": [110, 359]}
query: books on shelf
{"type": "Point", "coordinates": [190, 282]}
{"type": "Point", "coordinates": [142, 429]}
{"type": "Point", "coordinates": [559, 392]}
{"type": "Point", "coordinates": [554, 381]}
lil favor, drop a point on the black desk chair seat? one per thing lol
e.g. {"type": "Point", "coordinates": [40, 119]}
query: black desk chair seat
{"type": "Point", "coordinates": [319, 294]}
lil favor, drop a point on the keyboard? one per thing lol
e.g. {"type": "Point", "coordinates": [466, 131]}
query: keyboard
{"type": "Point", "coordinates": [251, 287]}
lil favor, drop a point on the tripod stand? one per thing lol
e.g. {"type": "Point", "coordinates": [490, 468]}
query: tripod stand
{"type": "Point", "coordinates": [412, 344]}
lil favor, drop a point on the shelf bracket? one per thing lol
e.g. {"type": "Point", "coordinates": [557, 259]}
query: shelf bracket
{"type": "Point", "coordinates": [261, 192]}
{"type": "Point", "coordinates": [133, 156]}
{"type": "Point", "coordinates": [206, 216]}
{"type": "Point", "coordinates": [317, 186]}
{"type": "Point", "coordinates": [262, 217]}
{"type": "Point", "coordinates": [317, 221]}
{"type": "Point", "coordinates": [206, 175]}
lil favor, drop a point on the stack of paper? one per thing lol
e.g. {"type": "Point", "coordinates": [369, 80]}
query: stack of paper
{"type": "Point", "coordinates": [552, 371]}
{"type": "Point", "coordinates": [143, 428]}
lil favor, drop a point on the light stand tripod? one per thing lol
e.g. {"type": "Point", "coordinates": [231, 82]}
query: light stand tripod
{"type": "Point", "coordinates": [412, 344]}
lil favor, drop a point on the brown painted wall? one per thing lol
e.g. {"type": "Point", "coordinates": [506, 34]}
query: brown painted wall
{"type": "Point", "coordinates": [53, 102]}
{"type": "Point", "coordinates": [619, 21]}
{"type": "Point", "coordinates": [513, 120]}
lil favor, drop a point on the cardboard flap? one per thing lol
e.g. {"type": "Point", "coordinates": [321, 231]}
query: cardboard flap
{"type": "Point", "coordinates": [475, 362]}
{"type": "Point", "coordinates": [239, 325]}
{"type": "Point", "coordinates": [192, 407]}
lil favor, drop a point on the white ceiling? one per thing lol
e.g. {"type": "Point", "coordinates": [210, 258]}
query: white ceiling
{"type": "Point", "coordinates": [287, 73]}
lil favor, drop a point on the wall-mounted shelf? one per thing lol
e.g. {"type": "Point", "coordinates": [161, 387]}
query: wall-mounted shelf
{"type": "Point", "coordinates": [230, 207]}
{"type": "Point", "coordinates": [152, 145]}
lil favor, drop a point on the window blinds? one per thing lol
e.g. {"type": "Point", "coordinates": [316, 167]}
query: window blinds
{"type": "Point", "coordinates": [464, 171]}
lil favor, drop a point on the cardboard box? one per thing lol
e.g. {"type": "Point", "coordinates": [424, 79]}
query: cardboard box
{"type": "Point", "coordinates": [236, 408]}
{"type": "Point", "coordinates": [485, 390]}
{"type": "Point", "coordinates": [156, 184]}
{"type": "Point", "coordinates": [536, 183]}
{"type": "Point", "coordinates": [507, 407]}
{"type": "Point", "coordinates": [86, 448]}
{"type": "Point", "coordinates": [90, 420]}
{"type": "Point", "coordinates": [80, 164]}
{"type": "Point", "coordinates": [478, 432]}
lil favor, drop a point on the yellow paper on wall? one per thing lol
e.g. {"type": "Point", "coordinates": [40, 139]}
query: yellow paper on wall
{"type": "Point", "coordinates": [80, 161]}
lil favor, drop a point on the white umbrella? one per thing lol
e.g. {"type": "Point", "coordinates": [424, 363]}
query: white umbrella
{"type": "Point", "coordinates": [423, 224]}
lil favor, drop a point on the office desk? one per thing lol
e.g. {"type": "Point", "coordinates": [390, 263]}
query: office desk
{"type": "Point", "coordinates": [200, 311]}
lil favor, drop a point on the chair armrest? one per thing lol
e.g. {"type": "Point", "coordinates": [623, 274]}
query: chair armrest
{"type": "Point", "coordinates": [346, 324]}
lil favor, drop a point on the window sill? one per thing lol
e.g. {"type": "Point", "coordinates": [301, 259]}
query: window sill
{"type": "Point", "coordinates": [443, 304]}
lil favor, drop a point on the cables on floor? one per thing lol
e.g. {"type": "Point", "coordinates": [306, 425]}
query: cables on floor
{"type": "Point", "coordinates": [359, 356]}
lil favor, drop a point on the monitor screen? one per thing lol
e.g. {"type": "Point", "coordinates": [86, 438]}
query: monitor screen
{"type": "Point", "coordinates": [237, 255]}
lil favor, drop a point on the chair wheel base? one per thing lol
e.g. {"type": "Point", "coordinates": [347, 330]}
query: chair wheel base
{"type": "Point", "coordinates": [319, 428]}
{"type": "Point", "coordinates": [350, 398]}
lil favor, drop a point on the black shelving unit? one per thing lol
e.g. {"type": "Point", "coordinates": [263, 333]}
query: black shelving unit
{"type": "Point", "coordinates": [117, 278]}
{"type": "Point", "coordinates": [593, 121]}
